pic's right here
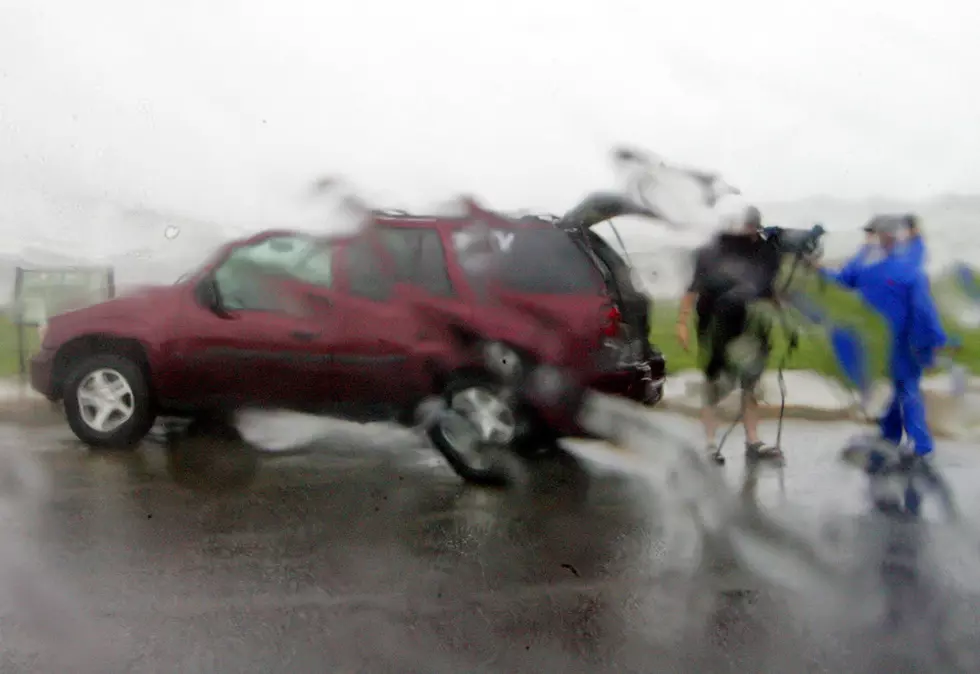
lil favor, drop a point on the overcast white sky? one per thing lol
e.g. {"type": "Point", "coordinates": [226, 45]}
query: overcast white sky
{"type": "Point", "coordinates": [225, 109]}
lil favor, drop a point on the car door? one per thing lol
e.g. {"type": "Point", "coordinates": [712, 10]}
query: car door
{"type": "Point", "coordinates": [376, 367]}
{"type": "Point", "coordinates": [418, 256]}
{"type": "Point", "coordinates": [262, 346]}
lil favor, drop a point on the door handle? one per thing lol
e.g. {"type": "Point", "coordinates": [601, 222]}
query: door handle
{"type": "Point", "coordinates": [303, 335]}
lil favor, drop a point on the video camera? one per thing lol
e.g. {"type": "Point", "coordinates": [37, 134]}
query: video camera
{"type": "Point", "coordinates": [799, 242]}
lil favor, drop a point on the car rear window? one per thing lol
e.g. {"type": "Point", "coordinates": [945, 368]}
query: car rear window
{"type": "Point", "coordinates": [535, 260]}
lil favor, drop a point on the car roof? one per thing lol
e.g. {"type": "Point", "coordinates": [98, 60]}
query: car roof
{"type": "Point", "coordinates": [403, 219]}
{"type": "Point", "coordinates": [448, 222]}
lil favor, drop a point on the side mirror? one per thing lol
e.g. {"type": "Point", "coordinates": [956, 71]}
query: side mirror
{"type": "Point", "coordinates": [209, 296]}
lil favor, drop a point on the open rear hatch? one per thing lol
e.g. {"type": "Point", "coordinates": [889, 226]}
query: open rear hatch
{"type": "Point", "coordinates": [632, 302]}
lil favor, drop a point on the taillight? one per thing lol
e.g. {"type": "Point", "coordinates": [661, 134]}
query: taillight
{"type": "Point", "coordinates": [613, 318]}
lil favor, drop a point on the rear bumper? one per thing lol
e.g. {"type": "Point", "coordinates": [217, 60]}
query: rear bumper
{"type": "Point", "coordinates": [42, 370]}
{"type": "Point", "coordinates": [633, 384]}
{"type": "Point", "coordinates": [641, 384]}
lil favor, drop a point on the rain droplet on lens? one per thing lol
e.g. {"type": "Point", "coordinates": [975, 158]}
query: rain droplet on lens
{"type": "Point", "coordinates": [171, 232]}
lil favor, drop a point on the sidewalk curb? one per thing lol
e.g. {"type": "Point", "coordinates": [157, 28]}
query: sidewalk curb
{"type": "Point", "coordinates": [729, 412]}
{"type": "Point", "coordinates": [949, 417]}
{"type": "Point", "coordinates": [20, 403]}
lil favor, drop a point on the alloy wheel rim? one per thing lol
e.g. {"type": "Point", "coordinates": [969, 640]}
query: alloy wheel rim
{"type": "Point", "coordinates": [105, 400]}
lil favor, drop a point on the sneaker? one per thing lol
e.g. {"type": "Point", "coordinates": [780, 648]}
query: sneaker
{"type": "Point", "coordinates": [714, 453]}
{"type": "Point", "coordinates": [871, 453]}
{"type": "Point", "coordinates": [760, 451]}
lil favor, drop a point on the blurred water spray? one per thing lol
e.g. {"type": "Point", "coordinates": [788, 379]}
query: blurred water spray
{"type": "Point", "coordinates": [334, 207]}
{"type": "Point", "coordinates": [280, 431]}
{"type": "Point", "coordinates": [958, 295]}
{"type": "Point", "coordinates": [854, 582]}
{"type": "Point", "coordinates": [685, 198]}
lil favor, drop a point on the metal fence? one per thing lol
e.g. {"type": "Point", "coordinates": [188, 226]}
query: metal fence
{"type": "Point", "coordinates": [40, 293]}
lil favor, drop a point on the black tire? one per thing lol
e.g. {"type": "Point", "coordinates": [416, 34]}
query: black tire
{"type": "Point", "coordinates": [492, 473]}
{"type": "Point", "coordinates": [445, 434]}
{"type": "Point", "coordinates": [654, 399]}
{"type": "Point", "coordinates": [130, 433]}
{"type": "Point", "coordinates": [538, 441]}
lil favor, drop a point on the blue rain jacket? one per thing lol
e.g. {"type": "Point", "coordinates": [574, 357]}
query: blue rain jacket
{"type": "Point", "coordinates": [898, 289]}
{"type": "Point", "coordinates": [915, 250]}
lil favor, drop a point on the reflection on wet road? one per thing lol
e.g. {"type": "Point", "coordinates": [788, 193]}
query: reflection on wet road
{"type": "Point", "coordinates": [368, 556]}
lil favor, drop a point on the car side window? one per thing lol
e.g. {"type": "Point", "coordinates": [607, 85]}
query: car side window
{"type": "Point", "coordinates": [243, 278]}
{"type": "Point", "coordinates": [365, 274]}
{"type": "Point", "coordinates": [420, 258]}
{"type": "Point", "coordinates": [317, 267]}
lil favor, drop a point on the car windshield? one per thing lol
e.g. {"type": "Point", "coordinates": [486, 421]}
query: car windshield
{"type": "Point", "coordinates": [538, 260]}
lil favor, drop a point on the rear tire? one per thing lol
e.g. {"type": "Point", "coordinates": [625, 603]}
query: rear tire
{"type": "Point", "coordinates": [103, 381]}
{"type": "Point", "coordinates": [459, 440]}
{"type": "Point", "coordinates": [445, 435]}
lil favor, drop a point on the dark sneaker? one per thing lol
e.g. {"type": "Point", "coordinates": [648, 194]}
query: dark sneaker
{"type": "Point", "coordinates": [714, 453]}
{"type": "Point", "coordinates": [871, 453]}
{"type": "Point", "coordinates": [760, 451]}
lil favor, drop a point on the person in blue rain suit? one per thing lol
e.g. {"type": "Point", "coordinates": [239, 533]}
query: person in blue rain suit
{"type": "Point", "coordinates": [892, 281]}
{"type": "Point", "coordinates": [914, 246]}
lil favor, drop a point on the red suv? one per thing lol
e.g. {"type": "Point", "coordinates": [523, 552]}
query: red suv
{"type": "Point", "coordinates": [366, 327]}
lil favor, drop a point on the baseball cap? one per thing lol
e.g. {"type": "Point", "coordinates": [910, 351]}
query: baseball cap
{"type": "Point", "coordinates": [887, 224]}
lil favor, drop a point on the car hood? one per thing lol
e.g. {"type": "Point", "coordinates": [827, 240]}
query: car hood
{"type": "Point", "coordinates": [132, 306]}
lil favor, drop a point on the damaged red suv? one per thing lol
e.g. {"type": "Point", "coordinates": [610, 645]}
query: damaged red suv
{"type": "Point", "coordinates": [367, 327]}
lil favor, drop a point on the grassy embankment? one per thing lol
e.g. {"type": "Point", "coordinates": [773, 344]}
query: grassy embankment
{"type": "Point", "coordinates": [814, 353]}
{"type": "Point", "coordinates": [8, 346]}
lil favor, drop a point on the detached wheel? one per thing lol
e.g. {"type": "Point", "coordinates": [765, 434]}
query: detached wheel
{"type": "Point", "coordinates": [475, 430]}
{"type": "Point", "coordinates": [108, 402]}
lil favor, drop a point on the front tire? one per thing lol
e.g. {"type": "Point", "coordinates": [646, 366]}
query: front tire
{"type": "Point", "coordinates": [108, 402]}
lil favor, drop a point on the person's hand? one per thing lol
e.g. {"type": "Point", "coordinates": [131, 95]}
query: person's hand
{"type": "Point", "coordinates": [813, 260]}
{"type": "Point", "coordinates": [683, 334]}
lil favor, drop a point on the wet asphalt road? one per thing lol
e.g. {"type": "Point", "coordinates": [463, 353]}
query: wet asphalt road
{"type": "Point", "coordinates": [369, 555]}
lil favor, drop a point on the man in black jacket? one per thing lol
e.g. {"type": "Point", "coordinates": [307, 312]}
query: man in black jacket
{"type": "Point", "coordinates": [732, 273]}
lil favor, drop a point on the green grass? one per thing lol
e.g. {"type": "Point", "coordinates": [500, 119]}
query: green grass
{"type": "Point", "coordinates": [9, 365]}
{"type": "Point", "coordinates": [814, 353]}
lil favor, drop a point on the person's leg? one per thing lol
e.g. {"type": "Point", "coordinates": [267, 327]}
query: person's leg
{"type": "Point", "coordinates": [747, 351]}
{"type": "Point", "coordinates": [759, 336]}
{"type": "Point", "coordinates": [755, 448]}
{"type": "Point", "coordinates": [891, 423]}
{"type": "Point", "coordinates": [913, 411]}
{"type": "Point", "coordinates": [713, 389]}
{"type": "Point", "coordinates": [750, 417]}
